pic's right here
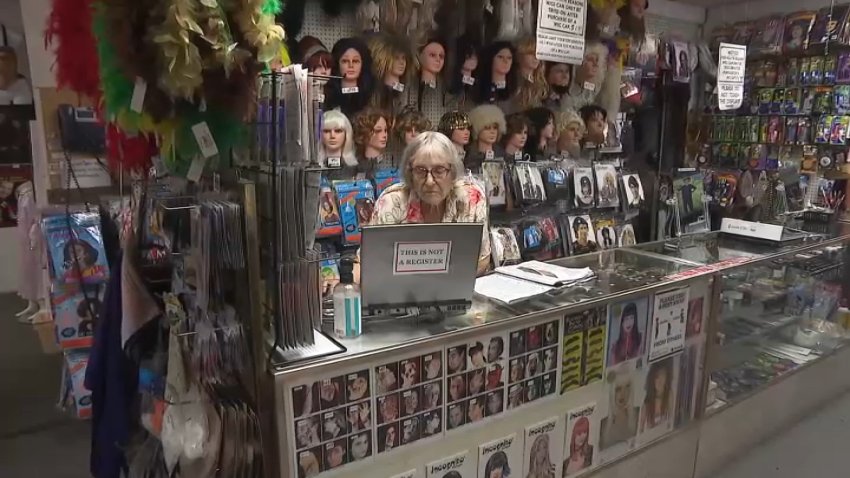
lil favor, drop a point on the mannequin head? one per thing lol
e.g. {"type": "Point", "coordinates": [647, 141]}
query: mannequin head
{"type": "Point", "coordinates": [337, 139]}
{"type": "Point", "coordinates": [558, 77]}
{"type": "Point", "coordinates": [516, 133]}
{"type": "Point", "coordinates": [371, 130]}
{"type": "Point", "coordinates": [541, 130]}
{"type": "Point", "coordinates": [315, 56]}
{"type": "Point", "coordinates": [466, 62]}
{"type": "Point", "coordinates": [596, 120]}
{"type": "Point", "coordinates": [570, 131]}
{"type": "Point", "coordinates": [392, 59]}
{"type": "Point", "coordinates": [488, 126]}
{"type": "Point", "coordinates": [594, 65]}
{"type": "Point", "coordinates": [455, 125]}
{"type": "Point", "coordinates": [432, 59]}
{"type": "Point", "coordinates": [409, 124]}
{"type": "Point", "coordinates": [632, 19]}
{"type": "Point", "coordinates": [495, 79]}
{"type": "Point", "coordinates": [353, 62]}
{"type": "Point", "coordinates": [533, 88]}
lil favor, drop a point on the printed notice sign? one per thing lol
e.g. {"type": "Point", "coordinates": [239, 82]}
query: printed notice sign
{"type": "Point", "coordinates": [560, 30]}
{"type": "Point", "coordinates": [730, 76]}
{"type": "Point", "coordinates": [564, 16]}
{"type": "Point", "coordinates": [422, 257]}
{"type": "Point", "coordinates": [667, 329]}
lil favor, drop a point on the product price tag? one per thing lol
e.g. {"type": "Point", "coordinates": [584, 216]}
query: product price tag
{"type": "Point", "coordinates": [500, 85]}
{"type": "Point", "coordinates": [205, 139]}
{"type": "Point", "coordinates": [350, 90]}
{"type": "Point", "coordinates": [468, 80]}
{"type": "Point", "coordinates": [589, 86]}
{"type": "Point", "coordinates": [398, 87]}
{"type": "Point", "coordinates": [431, 84]}
{"type": "Point", "coordinates": [334, 162]}
{"type": "Point", "coordinates": [137, 101]}
{"type": "Point", "coordinates": [488, 155]}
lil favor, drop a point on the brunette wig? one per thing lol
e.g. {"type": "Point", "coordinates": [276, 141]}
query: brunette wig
{"type": "Point", "coordinates": [538, 118]}
{"type": "Point", "coordinates": [410, 119]}
{"type": "Point", "coordinates": [313, 53]}
{"type": "Point", "coordinates": [484, 89]}
{"type": "Point", "coordinates": [465, 48]}
{"type": "Point", "coordinates": [350, 104]}
{"type": "Point", "coordinates": [364, 124]}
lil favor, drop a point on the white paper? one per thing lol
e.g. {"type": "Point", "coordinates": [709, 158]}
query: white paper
{"type": "Point", "coordinates": [508, 289]}
{"type": "Point", "coordinates": [462, 463]}
{"type": "Point", "coordinates": [205, 140]}
{"type": "Point", "coordinates": [196, 169]}
{"type": "Point", "coordinates": [138, 100]}
{"type": "Point", "coordinates": [544, 446]}
{"type": "Point", "coordinates": [730, 76]}
{"type": "Point", "coordinates": [667, 329]}
{"type": "Point", "coordinates": [408, 474]}
{"type": "Point", "coordinates": [504, 454]}
{"type": "Point", "coordinates": [431, 257]}
{"type": "Point", "coordinates": [563, 16]}
{"type": "Point", "coordinates": [560, 47]}
{"type": "Point", "coordinates": [545, 273]}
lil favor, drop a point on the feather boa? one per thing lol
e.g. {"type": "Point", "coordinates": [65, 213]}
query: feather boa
{"type": "Point", "coordinates": [69, 31]}
{"type": "Point", "coordinates": [133, 152]}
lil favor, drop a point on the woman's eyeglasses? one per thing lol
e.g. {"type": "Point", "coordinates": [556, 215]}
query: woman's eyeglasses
{"type": "Point", "coordinates": [440, 172]}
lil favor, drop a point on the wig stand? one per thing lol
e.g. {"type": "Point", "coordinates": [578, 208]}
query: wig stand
{"type": "Point", "coordinates": [32, 306]}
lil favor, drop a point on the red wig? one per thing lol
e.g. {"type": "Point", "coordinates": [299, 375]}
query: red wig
{"type": "Point", "coordinates": [582, 426]}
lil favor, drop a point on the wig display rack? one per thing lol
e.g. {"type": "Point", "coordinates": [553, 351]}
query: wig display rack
{"type": "Point", "coordinates": [286, 211]}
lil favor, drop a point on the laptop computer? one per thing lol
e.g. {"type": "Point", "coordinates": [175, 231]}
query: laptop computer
{"type": "Point", "coordinates": [409, 265]}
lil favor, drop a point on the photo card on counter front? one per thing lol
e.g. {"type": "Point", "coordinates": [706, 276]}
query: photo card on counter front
{"type": "Point", "coordinates": [581, 443]}
{"type": "Point", "coordinates": [544, 446]}
{"type": "Point", "coordinates": [627, 323]}
{"type": "Point", "coordinates": [502, 457]}
{"type": "Point", "coordinates": [461, 465]}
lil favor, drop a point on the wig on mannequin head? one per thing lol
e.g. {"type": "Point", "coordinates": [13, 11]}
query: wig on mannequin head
{"type": "Point", "coordinates": [384, 47]}
{"type": "Point", "coordinates": [530, 91]}
{"type": "Point", "coordinates": [484, 89]}
{"type": "Point", "coordinates": [465, 48]}
{"type": "Point", "coordinates": [563, 120]}
{"type": "Point", "coordinates": [538, 118]}
{"type": "Point", "coordinates": [409, 18]}
{"type": "Point", "coordinates": [364, 124]}
{"type": "Point", "coordinates": [516, 19]}
{"type": "Point", "coordinates": [313, 54]}
{"type": "Point", "coordinates": [633, 20]}
{"type": "Point", "coordinates": [451, 121]}
{"type": "Point", "coordinates": [350, 104]}
{"type": "Point", "coordinates": [368, 16]}
{"type": "Point", "coordinates": [334, 119]}
{"type": "Point", "coordinates": [410, 119]}
{"type": "Point", "coordinates": [483, 116]}
{"type": "Point", "coordinates": [593, 50]}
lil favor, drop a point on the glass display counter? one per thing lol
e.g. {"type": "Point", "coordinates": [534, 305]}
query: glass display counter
{"type": "Point", "coordinates": [618, 361]}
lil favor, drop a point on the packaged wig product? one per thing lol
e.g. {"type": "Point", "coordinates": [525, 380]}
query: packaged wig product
{"type": "Point", "coordinates": [797, 28]}
{"type": "Point", "coordinates": [350, 102]}
{"type": "Point", "coordinates": [356, 204]}
{"type": "Point", "coordinates": [330, 224]}
{"type": "Point", "coordinates": [767, 38]}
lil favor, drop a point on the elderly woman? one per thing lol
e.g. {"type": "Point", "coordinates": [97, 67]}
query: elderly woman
{"type": "Point", "coordinates": [434, 190]}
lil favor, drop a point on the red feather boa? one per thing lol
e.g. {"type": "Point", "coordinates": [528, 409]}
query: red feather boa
{"type": "Point", "coordinates": [69, 29]}
{"type": "Point", "coordinates": [134, 152]}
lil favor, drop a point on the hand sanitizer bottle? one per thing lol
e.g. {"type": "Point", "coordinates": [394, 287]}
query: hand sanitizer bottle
{"type": "Point", "coordinates": [346, 302]}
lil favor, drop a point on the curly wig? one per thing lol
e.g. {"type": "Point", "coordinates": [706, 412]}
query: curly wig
{"type": "Point", "coordinates": [531, 91]}
{"type": "Point", "coordinates": [352, 103]}
{"type": "Point", "coordinates": [364, 124]}
{"type": "Point", "coordinates": [410, 119]}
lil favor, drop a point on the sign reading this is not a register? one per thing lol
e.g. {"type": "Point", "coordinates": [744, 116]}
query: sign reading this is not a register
{"type": "Point", "coordinates": [426, 257]}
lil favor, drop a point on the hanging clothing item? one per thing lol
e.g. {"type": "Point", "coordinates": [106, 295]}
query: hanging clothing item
{"type": "Point", "coordinates": [112, 378]}
{"type": "Point", "coordinates": [29, 264]}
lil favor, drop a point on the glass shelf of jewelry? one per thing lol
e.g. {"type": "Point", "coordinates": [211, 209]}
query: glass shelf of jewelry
{"type": "Point", "coordinates": [777, 316]}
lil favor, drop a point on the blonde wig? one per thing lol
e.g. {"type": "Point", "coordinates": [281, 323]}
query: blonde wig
{"type": "Point", "coordinates": [483, 116]}
{"type": "Point", "coordinates": [566, 118]}
{"type": "Point", "coordinates": [335, 119]}
{"type": "Point", "coordinates": [384, 48]}
{"type": "Point", "coordinates": [531, 91]}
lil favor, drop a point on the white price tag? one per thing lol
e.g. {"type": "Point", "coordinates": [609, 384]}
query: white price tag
{"type": "Point", "coordinates": [488, 155]}
{"type": "Point", "coordinates": [398, 87]}
{"type": "Point", "coordinates": [589, 86]}
{"type": "Point", "coordinates": [350, 90]}
{"type": "Point", "coordinates": [334, 162]}
{"type": "Point", "coordinates": [500, 85]}
{"type": "Point", "coordinates": [137, 101]}
{"type": "Point", "coordinates": [468, 80]}
{"type": "Point", "coordinates": [205, 139]}
{"type": "Point", "coordinates": [196, 169]}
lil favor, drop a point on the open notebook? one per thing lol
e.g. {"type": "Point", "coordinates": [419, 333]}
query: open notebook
{"type": "Point", "coordinates": [512, 284]}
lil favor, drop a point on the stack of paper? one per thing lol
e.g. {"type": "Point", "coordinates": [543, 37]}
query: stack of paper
{"type": "Point", "coordinates": [511, 284]}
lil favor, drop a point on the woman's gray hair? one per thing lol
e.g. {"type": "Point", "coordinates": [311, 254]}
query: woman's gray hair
{"type": "Point", "coordinates": [430, 143]}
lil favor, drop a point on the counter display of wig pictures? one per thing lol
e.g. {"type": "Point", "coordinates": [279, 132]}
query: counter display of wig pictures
{"type": "Point", "coordinates": [624, 362]}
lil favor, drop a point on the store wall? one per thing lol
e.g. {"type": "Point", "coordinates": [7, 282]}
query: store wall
{"type": "Point", "coordinates": [755, 9]}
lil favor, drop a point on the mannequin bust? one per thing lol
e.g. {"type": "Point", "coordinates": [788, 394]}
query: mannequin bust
{"type": "Point", "coordinates": [495, 79]}
{"type": "Point", "coordinates": [353, 63]}
{"type": "Point", "coordinates": [392, 60]}
{"type": "Point", "coordinates": [463, 73]}
{"type": "Point", "coordinates": [533, 89]}
{"type": "Point", "coordinates": [371, 128]}
{"type": "Point", "coordinates": [515, 137]}
{"type": "Point", "coordinates": [570, 131]}
{"type": "Point", "coordinates": [455, 125]}
{"type": "Point", "coordinates": [540, 132]}
{"type": "Point", "coordinates": [588, 78]}
{"type": "Point", "coordinates": [596, 121]}
{"type": "Point", "coordinates": [488, 126]}
{"type": "Point", "coordinates": [315, 56]}
{"type": "Point", "coordinates": [558, 78]}
{"type": "Point", "coordinates": [409, 124]}
{"type": "Point", "coordinates": [432, 59]}
{"type": "Point", "coordinates": [337, 145]}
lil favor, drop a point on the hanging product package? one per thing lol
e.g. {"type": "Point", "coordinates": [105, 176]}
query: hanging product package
{"type": "Point", "coordinates": [830, 26]}
{"type": "Point", "coordinates": [75, 252]}
{"type": "Point", "coordinates": [356, 204]}
{"type": "Point", "coordinates": [330, 224]}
